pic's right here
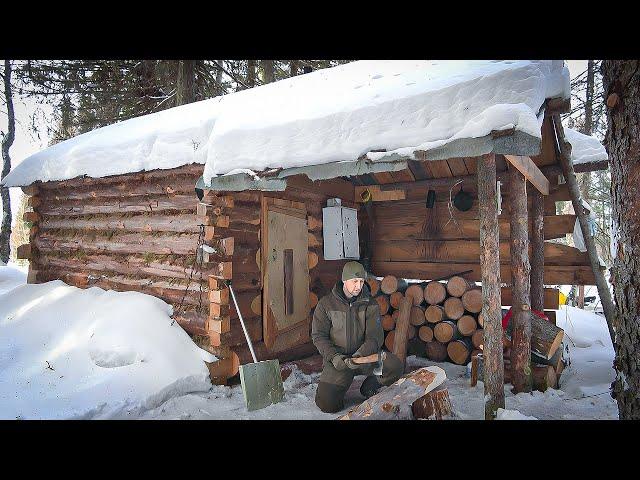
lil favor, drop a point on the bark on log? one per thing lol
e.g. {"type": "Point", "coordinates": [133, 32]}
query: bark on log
{"type": "Point", "coordinates": [521, 309]}
{"type": "Point", "coordinates": [425, 333]}
{"type": "Point", "coordinates": [394, 299]}
{"type": "Point", "coordinates": [453, 308]}
{"type": "Point", "coordinates": [417, 316]}
{"type": "Point", "coordinates": [472, 300]}
{"type": "Point", "coordinates": [545, 337]}
{"type": "Point", "coordinates": [383, 302]}
{"type": "Point", "coordinates": [435, 405]}
{"type": "Point", "coordinates": [416, 293]}
{"type": "Point", "coordinates": [395, 402]}
{"type": "Point", "coordinates": [436, 351]}
{"type": "Point", "coordinates": [490, 266]}
{"type": "Point", "coordinates": [374, 285]}
{"type": "Point", "coordinates": [402, 330]}
{"type": "Point", "coordinates": [435, 293]}
{"type": "Point", "coordinates": [477, 338]}
{"type": "Point", "coordinates": [391, 284]}
{"type": "Point", "coordinates": [434, 313]}
{"type": "Point", "coordinates": [537, 252]}
{"type": "Point", "coordinates": [459, 351]}
{"type": "Point", "coordinates": [388, 323]}
{"type": "Point", "coordinates": [446, 331]}
{"type": "Point", "coordinates": [543, 377]}
{"type": "Point", "coordinates": [389, 340]}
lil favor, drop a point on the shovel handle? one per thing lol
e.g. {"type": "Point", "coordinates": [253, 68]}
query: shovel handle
{"type": "Point", "coordinates": [244, 329]}
{"type": "Point", "coordinates": [368, 359]}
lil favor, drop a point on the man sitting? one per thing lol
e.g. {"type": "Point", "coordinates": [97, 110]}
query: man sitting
{"type": "Point", "coordinates": [346, 324]}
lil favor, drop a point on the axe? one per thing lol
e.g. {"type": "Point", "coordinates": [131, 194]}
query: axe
{"type": "Point", "coordinates": [375, 357]}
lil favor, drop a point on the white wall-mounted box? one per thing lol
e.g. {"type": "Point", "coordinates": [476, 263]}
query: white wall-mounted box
{"type": "Point", "coordinates": [340, 232]}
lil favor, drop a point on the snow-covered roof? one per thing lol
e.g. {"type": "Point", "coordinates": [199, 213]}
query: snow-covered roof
{"type": "Point", "coordinates": [585, 148]}
{"type": "Point", "coordinates": [331, 115]}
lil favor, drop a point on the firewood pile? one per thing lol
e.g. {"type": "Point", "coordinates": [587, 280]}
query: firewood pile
{"type": "Point", "coordinates": [446, 324]}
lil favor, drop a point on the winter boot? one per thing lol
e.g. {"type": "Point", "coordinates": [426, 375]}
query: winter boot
{"type": "Point", "coordinates": [370, 386]}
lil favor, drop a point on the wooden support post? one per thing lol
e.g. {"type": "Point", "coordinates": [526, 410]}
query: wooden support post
{"type": "Point", "coordinates": [521, 321]}
{"type": "Point", "coordinates": [574, 191]}
{"type": "Point", "coordinates": [490, 268]}
{"type": "Point", "coordinates": [402, 329]}
{"type": "Point", "coordinates": [537, 251]}
{"type": "Point", "coordinates": [580, 296]}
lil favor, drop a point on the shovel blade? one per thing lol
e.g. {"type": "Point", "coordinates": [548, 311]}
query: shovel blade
{"type": "Point", "coordinates": [261, 384]}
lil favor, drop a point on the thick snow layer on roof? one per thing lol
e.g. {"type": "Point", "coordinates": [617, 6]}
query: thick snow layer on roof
{"type": "Point", "coordinates": [584, 148]}
{"type": "Point", "coordinates": [73, 353]}
{"type": "Point", "coordinates": [325, 116]}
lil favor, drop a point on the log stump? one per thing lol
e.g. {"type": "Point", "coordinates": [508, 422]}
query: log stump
{"type": "Point", "coordinates": [435, 405]}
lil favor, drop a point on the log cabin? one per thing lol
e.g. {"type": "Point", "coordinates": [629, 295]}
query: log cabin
{"type": "Point", "coordinates": [238, 188]}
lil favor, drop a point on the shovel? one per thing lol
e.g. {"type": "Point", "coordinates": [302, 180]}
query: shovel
{"type": "Point", "coordinates": [261, 381]}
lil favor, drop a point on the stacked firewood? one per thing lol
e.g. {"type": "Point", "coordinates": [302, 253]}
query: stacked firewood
{"type": "Point", "coordinates": [445, 321]}
{"type": "Point", "coordinates": [446, 324]}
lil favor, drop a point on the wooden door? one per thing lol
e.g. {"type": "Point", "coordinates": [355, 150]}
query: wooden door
{"type": "Point", "coordinates": [285, 267]}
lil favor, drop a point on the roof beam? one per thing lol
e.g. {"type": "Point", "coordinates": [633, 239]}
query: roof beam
{"type": "Point", "coordinates": [530, 171]}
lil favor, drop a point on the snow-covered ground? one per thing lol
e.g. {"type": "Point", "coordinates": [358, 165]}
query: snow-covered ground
{"type": "Point", "coordinates": [72, 353]}
{"type": "Point", "coordinates": [583, 393]}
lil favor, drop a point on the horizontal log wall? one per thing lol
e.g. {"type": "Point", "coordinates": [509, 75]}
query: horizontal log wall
{"type": "Point", "coordinates": [244, 226]}
{"type": "Point", "coordinates": [413, 241]}
{"type": "Point", "coordinates": [134, 232]}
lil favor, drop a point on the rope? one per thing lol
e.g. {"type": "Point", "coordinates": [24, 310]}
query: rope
{"type": "Point", "coordinates": [197, 265]}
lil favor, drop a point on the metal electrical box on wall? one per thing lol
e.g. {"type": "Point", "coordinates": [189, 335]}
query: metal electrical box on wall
{"type": "Point", "coordinates": [340, 232]}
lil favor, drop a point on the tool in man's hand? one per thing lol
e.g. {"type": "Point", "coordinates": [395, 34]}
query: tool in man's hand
{"type": "Point", "coordinates": [375, 357]}
{"type": "Point", "coordinates": [261, 381]}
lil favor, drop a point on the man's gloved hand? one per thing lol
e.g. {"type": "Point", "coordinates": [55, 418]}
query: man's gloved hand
{"type": "Point", "coordinates": [351, 364]}
{"type": "Point", "coordinates": [338, 361]}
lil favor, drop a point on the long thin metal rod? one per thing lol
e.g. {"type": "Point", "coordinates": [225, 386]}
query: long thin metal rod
{"type": "Point", "coordinates": [244, 329]}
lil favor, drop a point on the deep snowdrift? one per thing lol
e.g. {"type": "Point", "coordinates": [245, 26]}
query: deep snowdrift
{"type": "Point", "coordinates": [72, 353]}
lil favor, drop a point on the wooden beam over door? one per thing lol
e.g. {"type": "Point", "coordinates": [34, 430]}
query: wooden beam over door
{"type": "Point", "coordinates": [530, 171]}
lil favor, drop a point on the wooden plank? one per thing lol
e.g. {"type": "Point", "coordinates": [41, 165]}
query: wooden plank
{"type": "Point", "coordinates": [457, 167]}
{"type": "Point", "coordinates": [467, 251]}
{"type": "Point", "coordinates": [440, 168]}
{"type": "Point", "coordinates": [530, 171]}
{"type": "Point", "coordinates": [378, 195]}
{"type": "Point", "coordinates": [554, 274]}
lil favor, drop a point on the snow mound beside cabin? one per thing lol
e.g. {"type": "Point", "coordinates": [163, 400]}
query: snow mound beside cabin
{"type": "Point", "coordinates": [10, 277]}
{"type": "Point", "coordinates": [69, 353]}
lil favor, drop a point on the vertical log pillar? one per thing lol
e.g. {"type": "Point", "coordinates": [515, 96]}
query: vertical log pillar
{"type": "Point", "coordinates": [537, 251]}
{"type": "Point", "coordinates": [521, 319]}
{"type": "Point", "coordinates": [490, 269]}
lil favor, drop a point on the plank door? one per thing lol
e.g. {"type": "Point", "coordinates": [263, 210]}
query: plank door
{"type": "Point", "coordinates": [285, 267]}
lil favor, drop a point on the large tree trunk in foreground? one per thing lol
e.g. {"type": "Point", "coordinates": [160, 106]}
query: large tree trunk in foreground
{"type": "Point", "coordinates": [490, 262]}
{"type": "Point", "coordinates": [7, 141]}
{"type": "Point", "coordinates": [395, 402]}
{"type": "Point", "coordinates": [621, 81]}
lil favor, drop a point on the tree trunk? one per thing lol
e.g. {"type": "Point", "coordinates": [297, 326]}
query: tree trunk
{"type": "Point", "coordinates": [537, 251]}
{"type": "Point", "coordinates": [490, 266]}
{"type": "Point", "coordinates": [521, 308]}
{"type": "Point", "coordinates": [185, 83]}
{"type": "Point", "coordinates": [268, 70]}
{"type": "Point", "coordinates": [293, 67]}
{"type": "Point", "coordinates": [621, 81]}
{"type": "Point", "coordinates": [7, 141]}
{"type": "Point", "coordinates": [251, 73]}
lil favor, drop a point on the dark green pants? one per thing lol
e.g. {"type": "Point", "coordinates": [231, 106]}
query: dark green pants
{"type": "Point", "coordinates": [333, 384]}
